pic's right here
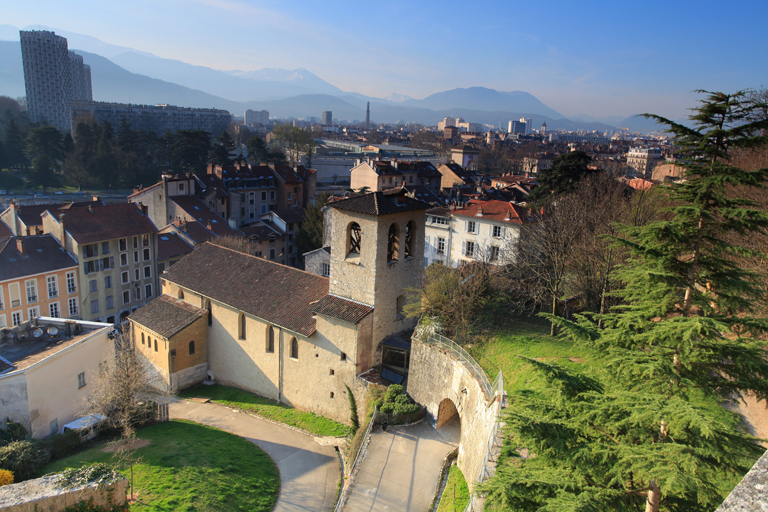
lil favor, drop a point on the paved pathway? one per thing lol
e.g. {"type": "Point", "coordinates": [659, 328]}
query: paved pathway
{"type": "Point", "coordinates": [309, 472]}
{"type": "Point", "coordinates": [401, 469]}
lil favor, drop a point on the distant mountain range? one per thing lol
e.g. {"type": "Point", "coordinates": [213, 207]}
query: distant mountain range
{"type": "Point", "coordinates": [121, 74]}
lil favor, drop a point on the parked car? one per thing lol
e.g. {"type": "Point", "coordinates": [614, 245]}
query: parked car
{"type": "Point", "coordinates": [59, 193]}
{"type": "Point", "coordinates": [87, 426]}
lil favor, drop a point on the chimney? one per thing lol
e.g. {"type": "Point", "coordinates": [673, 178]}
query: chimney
{"type": "Point", "coordinates": [479, 212]}
{"type": "Point", "coordinates": [184, 225]}
{"type": "Point", "coordinates": [15, 207]}
{"type": "Point", "coordinates": [95, 198]}
{"type": "Point", "coordinates": [21, 246]}
{"type": "Point", "coordinates": [209, 226]}
{"type": "Point", "coordinates": [63, 233]}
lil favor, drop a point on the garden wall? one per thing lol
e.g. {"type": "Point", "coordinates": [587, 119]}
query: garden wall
{"type": "Point", "coordinates": [44, 495]}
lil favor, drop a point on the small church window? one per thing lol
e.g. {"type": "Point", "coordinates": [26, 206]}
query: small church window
{"type": "Point", "coordinates": [343, 356]}
{"type": "Point", "coordinates": [270, 339]}
{"type": "Point", "coordinates": [294, 348]}
{"type": "Point", "coordinates": [354, 238]}
{"type": "Point", "coordinates": [393, 243]}
{"type": "Point", "coordinates": [142, 338]}
{"type": "Point", "coordinates": [409, 239]}
{"type": "Point", "coordinates": [192, 348]}
{"type": "Point", "coordinates": [241, 327]}
{"type": "Point", "coordinates": [155, 344]}
{"type": "Point", "coordinates": [181, 293]}
{"type": "Point", "coordinates": [331, 394]}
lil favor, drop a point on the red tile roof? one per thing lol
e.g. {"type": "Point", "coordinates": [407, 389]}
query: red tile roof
{"type": "Point", "coordinates": [380, 203]}
{"type": "Point", "coordinates": [197, 209]}
{"type": "Point", "coordinates": [167, 315]}
{"type": "Point", "coordinates": [286, 174]}
{"type": "Point", "coordinates": [276, 293]}
{"type": "Point", "coordinates": [343, 309]}
{"type": "Point", "coordinates": [500, 211]}
{"type": "Point", "coordinates": [99, 223]}
{"type": "Point", "coordinates": [170, 245]}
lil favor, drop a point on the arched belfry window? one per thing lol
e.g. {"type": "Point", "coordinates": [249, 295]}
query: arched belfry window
{"type": "Point", "coordinates": [409, 239]}
{"type": "Point", "coordinates": [393, 243]}
{"type": "Point", "coordinates": [241, 327]}
{"type": "Point", "coordinates": [294, 348]}
{"type": "Point", "coordinates": [270, 338]}
{"type": "Point", "coordinates": [354, 236]}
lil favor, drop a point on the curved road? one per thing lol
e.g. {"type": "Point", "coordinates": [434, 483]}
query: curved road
{"type": "Point", "coordinates": [309, 472]}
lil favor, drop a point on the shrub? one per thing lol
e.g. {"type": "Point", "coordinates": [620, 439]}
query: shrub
{"type": "Point", "coordinates": [12, 432]}
{"type": "Point", "coordinates": [6, 477]}
{"type": "Point", "coordinates": [392, 392]}
{"type": "Point", "coordinates": [353, 410]}
{"type": "Point", "coordinates": [63, 445]}
{"type": "Point", "coordinates": [88, 506]}
{"type": "Point", "coordinates": [25, 458]}
{"type": "Point", "coordinates": [387, 408]}
{"type": "Point", "coordinates": [402, 399]}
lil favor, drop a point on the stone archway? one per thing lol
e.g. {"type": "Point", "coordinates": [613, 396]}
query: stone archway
{"type": "Point", "coordinates": [448, 421]}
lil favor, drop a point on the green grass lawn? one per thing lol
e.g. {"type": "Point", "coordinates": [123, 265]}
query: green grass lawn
{"type": "Point", "coordinates": [528, 337]}
{"type": "Point", "coordinates": [234, 397]}
{"type": "Point", "coordinates": [455, 485]}
{"type": "Point", "coordinates": [189, 467]}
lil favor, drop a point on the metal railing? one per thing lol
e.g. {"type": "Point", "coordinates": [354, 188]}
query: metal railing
{"type": "Point", "coordinates": [345, 488]}
{"type": "Point", "coordinates": [476, 370]}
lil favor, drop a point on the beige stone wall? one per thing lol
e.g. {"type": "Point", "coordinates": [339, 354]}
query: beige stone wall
{"type": "Point", "coordinates": [44, 495]}
{"type": "Point", "coordinates": [369, 278]}
{"type": "Point", "coordinates": [144, 340]}
{"type": "Point", "coordinates": [364, 176]}
{"type": "Point", "coordinates": [436, 375]}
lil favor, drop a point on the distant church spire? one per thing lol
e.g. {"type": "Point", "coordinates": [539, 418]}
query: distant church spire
{"type": "Point", "coordinates": [368, 115]}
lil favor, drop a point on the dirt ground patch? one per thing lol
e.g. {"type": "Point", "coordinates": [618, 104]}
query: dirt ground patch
{"type": "Point", "coordinates": [135, 445]}
{"type": "Point", "coordinates": [754, 414]}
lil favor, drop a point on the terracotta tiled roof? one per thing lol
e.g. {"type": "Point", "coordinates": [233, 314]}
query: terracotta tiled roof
{"type": "Point", "coordinates": [379, 203]}
{"type": "Point", "coordinates": [500, 211]}
{"type": "Point", "coordinates": [30, 213]}
{"type": "Point", "coordinates": [105, 222]}
{"type": "Point", "coordinates": [44, 254]}
{"type": "Point", "coordinates": [385, 169]}
{"type": "Point", "coordinates": [305, 173]}
{"type": "Point", "coordinates": [276, 293]}
{"type": "Point", "coordinates": [286, 174]}
{"type": "Point", "coordinates": [343, 309]}
{"type": "Point", "coordinates": [167, 315]}
{"type": "Point", "coordinates": [197, 209]}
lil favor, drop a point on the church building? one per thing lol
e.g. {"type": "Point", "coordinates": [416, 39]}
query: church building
{"type": "Point", "coordinates": [286, 334]}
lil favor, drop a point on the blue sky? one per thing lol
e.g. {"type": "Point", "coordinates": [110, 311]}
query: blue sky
{"type": "Point", "coordinates": [596, 58]}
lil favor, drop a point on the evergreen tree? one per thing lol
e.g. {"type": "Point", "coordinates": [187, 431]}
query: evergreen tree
{"type": "Point", "coordinates": [257, 150]}
{"type": "Point", "coordinates": [222, 149]}
{"type": "Point", "coordinates": [14, 146]}
{"type": "Point", "coordinates": [562, 177]}
{"type": "Point", "coordinates": [683, 340]}
{"type": "Point", "coordinates": [310, 235]}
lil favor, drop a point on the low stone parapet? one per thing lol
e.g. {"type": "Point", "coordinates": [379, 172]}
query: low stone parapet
{"type": "Point", "coordinates": [47, 495]}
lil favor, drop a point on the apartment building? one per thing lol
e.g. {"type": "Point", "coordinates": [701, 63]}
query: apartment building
{"type": "Point", "coordinates": [480, 231]}
{"type": "Point", "coordinates": [37, 278]}
{"type": "Point", "coordinates": [643, 160]}
{"type": "Point", "coordinates": [116, 250]}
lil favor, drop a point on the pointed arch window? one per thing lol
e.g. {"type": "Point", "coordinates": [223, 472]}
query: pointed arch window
{"type": "Point", "coordinates": [393, 243]}
{"type": "Point", "coordinates": [409, 239]}
{"type": "Point", "coordinates": [294, 348]}
{"type": "Point", "coordinates": [270, 339]}
{"type": "Point", "coordinates": [241, 326]}
{"type": "Point", "coordinates": [354, 236]}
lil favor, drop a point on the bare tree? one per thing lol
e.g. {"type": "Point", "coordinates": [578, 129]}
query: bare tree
{"type": "Point", "coordinates": [120, 395]}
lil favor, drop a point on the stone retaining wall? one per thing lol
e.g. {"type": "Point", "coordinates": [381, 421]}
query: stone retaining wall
{"type": "Point", "coordinates": [44, 495]}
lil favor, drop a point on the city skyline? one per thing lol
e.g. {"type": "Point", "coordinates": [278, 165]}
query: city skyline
{"type": "Point", "coordinates": [598, 59]}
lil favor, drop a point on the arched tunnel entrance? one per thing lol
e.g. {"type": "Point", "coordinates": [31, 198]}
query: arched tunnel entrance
{"type": "Point", "coordinates": [448, 422]}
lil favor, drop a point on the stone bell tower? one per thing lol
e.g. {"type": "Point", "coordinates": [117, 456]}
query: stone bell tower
{"type": "Point", "coordinates": [377, 251]}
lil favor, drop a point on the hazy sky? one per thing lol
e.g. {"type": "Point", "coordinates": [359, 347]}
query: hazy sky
{"type": "Point", "coordinates": [598, 58]}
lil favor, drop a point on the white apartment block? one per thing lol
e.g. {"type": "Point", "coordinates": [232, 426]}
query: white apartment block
{"type": "Point", "coordinates": [644, 159]}
{"type": "Point", "coordinates": [256, 116]}
{"type": "Point", "coordinates": [480, 231]}
{"type": "Point", "coordinates": [53, 77]}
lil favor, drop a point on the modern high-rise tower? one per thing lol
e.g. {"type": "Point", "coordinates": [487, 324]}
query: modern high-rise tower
{"type": "Point", "coordinates": [53, 77]}
{"type": "Point", "coordinates": [368, 115]}
{"type": "Point", "coordinates": [327, 118]}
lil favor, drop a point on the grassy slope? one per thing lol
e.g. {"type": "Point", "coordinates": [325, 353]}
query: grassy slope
{"type": "Point", "coordinates": [193, 467]}
{"type": "Point", "coordinates": [233, 397]}
{"type": "Point", "coordinates": [529, 337]}
{"type": "Point", "coordinates": [447, 503]}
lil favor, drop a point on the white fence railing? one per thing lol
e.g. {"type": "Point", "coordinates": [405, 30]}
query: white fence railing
{"type": "Point", "coordinates": [468, 360]}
